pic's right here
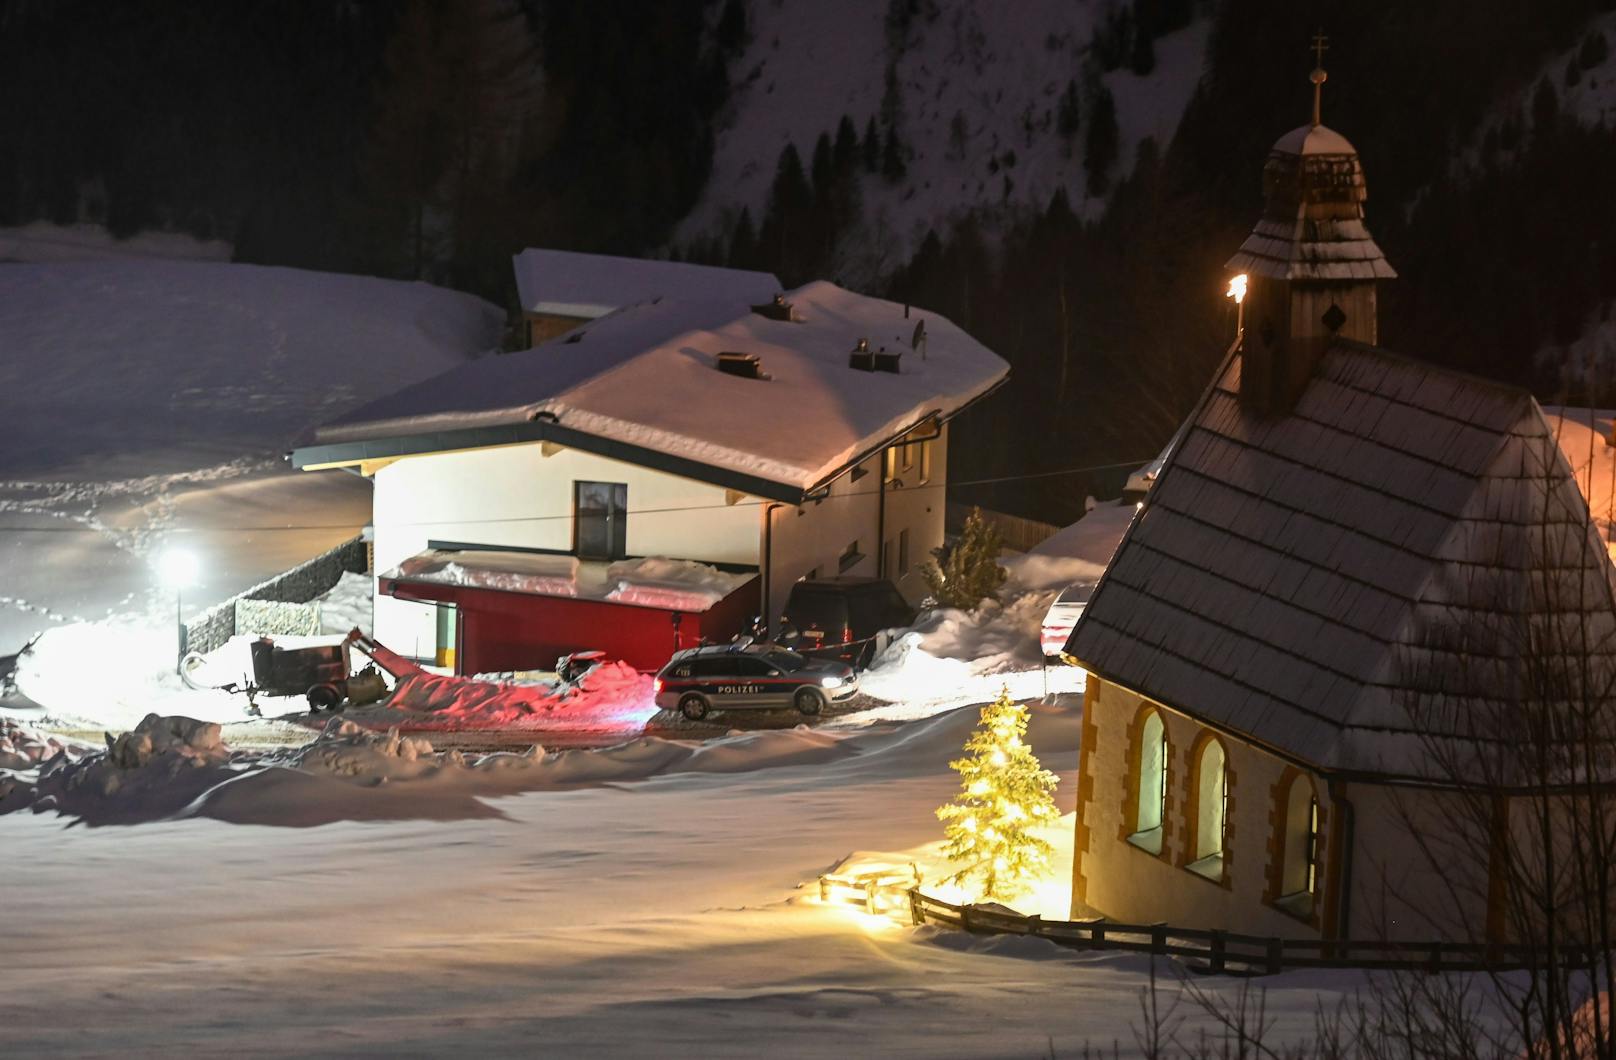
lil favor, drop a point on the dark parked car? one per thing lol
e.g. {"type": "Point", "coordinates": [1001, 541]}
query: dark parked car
{"type": "Point", "coordinates": [841, 618]}
{"type": "Point", "coordinates": [730, 676]}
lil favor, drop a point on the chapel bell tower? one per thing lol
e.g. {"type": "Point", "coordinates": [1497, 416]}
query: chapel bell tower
{"type": "Point", "coordinates": [1312, 264]}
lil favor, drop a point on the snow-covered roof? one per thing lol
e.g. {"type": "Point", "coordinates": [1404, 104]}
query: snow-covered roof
{"type": "Point", "coordinates": [1352, 584]}
{"type": "Point", "coordinates": [644, 382]}
{"type": "Point", "coordinates": [591, 285]}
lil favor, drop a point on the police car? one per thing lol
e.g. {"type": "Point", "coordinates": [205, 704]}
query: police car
{"type": "Point", "coordinates": [736, 676]}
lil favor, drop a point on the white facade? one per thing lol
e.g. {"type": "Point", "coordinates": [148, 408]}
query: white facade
{"type": "Point", "coordinates": [521, 496]}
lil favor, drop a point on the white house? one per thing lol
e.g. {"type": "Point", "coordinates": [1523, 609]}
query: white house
{"type": "Point", "coordinates": [715, 429]}
{"type": "Point", "coordinates": [1356, 589]}
{"type": "Point", "coordinates": [560, 289]}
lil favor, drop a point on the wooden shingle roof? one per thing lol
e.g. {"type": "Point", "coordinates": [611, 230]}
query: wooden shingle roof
{"type": "Point", "coordinates": [1350, 583]}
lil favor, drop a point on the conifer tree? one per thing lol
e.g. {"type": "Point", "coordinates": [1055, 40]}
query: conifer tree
{"type": "Point", "coordinates": [968, 573]}
{"type": "Point", "coordinates": [1004, 794]}
{"type": "Point", "coordinates": [871, 147]}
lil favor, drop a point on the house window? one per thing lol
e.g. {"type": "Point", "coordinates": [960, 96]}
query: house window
{"type": "Point", "coordinates": [850, 558]}
{"type": "Point", "coordinates": [1211, 810]}
{"type": "Point", "coordinates": [1150, 774]}
{"type": "Point", "coordinates": [889, 463]}
{"type": "Point", "coordinates": [600, 520]}
{"type": "Point", "coordinates": [903, 552]}
{"type": "Point", "coordinates": [1299, 872]}
{"type": "Point", "coordinates": [925, 462]}
{"type": "Point", "coordinates": [908, 455]}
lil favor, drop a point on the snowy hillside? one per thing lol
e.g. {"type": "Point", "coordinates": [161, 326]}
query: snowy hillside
{"type": "Point", "coordinates": [144, 400]}
{"type": "Point", "coordinates": [977, 101]}
{"type": "Point", "coordinates": [42, 241]}
{"type": "Point", "coordinates": [117, 357]}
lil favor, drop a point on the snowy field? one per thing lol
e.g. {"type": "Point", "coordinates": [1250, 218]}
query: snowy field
{"type": "Point", "coordinates": [648, 900]}
{"type": "Point", "coordinates": [145, 400]}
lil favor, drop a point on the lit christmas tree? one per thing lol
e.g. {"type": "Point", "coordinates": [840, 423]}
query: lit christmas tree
{"type": "Point", "coordinates": [1004, 795]}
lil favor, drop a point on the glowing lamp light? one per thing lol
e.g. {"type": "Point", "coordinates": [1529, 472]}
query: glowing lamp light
{"type": "Point", "coordinates": [178, 567]}
{"type": "Point", "coordinates": [1237, 288]}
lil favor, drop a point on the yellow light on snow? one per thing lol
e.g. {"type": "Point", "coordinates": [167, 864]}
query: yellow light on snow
{"type": "Point", "coordinates": [1237, 288]}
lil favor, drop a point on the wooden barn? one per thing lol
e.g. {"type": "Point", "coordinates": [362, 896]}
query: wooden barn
{"type": "Point", "coordinates": [1361, 622]}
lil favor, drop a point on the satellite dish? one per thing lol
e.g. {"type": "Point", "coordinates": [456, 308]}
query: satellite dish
{"type": "Point", "coordinates": [918, 341]}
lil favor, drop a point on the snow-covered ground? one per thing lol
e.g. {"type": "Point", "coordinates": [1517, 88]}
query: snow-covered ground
{"type": "Point", "coordinates": [817, 60]}
{"type": "Point", "coordinates": [149, 401]}
{"type": "Point", "coordinates": [656, 899]}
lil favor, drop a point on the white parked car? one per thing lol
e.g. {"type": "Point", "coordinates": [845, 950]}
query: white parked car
{"type": "Point", "coordinates": [1063, 615]}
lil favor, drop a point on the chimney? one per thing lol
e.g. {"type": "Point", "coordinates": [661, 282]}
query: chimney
{"type": "Point", "coordinates": [778, 309]}
{"type": "Point", "coordinates": [862, 358]}
{"type": "Point", "coordinates": [743, 365]}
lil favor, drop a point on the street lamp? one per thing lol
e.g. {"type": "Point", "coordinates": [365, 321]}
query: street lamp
{"type": "Point", "coordinates": [1237, 291]}
{"type": "Point", "coordinates": [178, 567]}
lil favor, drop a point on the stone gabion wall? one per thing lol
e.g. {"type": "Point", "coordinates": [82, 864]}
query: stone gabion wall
{"type": "Point", "coordinates": [302, 583]}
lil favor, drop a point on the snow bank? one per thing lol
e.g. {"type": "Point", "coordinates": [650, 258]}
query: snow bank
{"type": "Point", "coordinates": [112, 674]}
{"type": "Point", "coordinates": [173, 767]}
{"type": "Point", "coordinates": [955, 657]}
{"type": "Point", "coordinates": [653, 581]}
{"type": "Point", "coordinates": [348, 605]}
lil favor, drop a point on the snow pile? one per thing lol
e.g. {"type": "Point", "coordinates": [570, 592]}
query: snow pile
{"type": "Point", "coordinates": [23, 748]}
{"type": "Point", "coordinates": [956, 657]}
{"type": "Point", "coordinates": [113, 674]}
{"type": "Point", "coordinates": [674, 584]}
{"type": "Point", "coordinates": [609, 696]}
{"type": "Point", "coordinates": [148, 773]}
{"type": "Point", "coordinates": [348, 605]}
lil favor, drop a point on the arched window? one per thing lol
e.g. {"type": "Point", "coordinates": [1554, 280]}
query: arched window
{"type": "Point", "coordinates": [1150, 776]}
{"type": "Point", "coordinates": [1211, 809]}
{"type": "Point", "coordinates": [1299, 874]}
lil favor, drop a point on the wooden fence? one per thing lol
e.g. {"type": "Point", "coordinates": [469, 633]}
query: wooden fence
{"type": "Point", "coordinates": [1230, 952]}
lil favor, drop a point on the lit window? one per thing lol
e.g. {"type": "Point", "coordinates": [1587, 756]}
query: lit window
{"type": "Point", "coordinates": [889, 469]}
{"type": "Point", "coordinates": [1151, 777]}
{"type": "Point", "coordinates": [1299, 872]}
{"type": "Point", "coordinates": [925, 461]}
{"type": "Point", "coordinates": [908, 455]}
{"type": "Point", "coordinates": [1211, 810]}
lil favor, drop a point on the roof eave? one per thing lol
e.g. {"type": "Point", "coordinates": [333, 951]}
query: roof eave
{"type": "Point", "coordinates": [340, 454]}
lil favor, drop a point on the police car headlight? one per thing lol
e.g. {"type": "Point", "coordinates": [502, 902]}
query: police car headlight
{"type": "Point", "coordinates": [831, 682]}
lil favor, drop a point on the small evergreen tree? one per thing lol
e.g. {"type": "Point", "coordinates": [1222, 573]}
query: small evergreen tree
{"type": "Point", "coordinates": [968, 573]}
{"type": "Point", "coordinates": [1004, 794]}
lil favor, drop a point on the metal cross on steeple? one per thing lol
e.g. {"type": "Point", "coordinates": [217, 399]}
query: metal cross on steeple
{"type": "Point", "coordinates": [1321, 44]}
